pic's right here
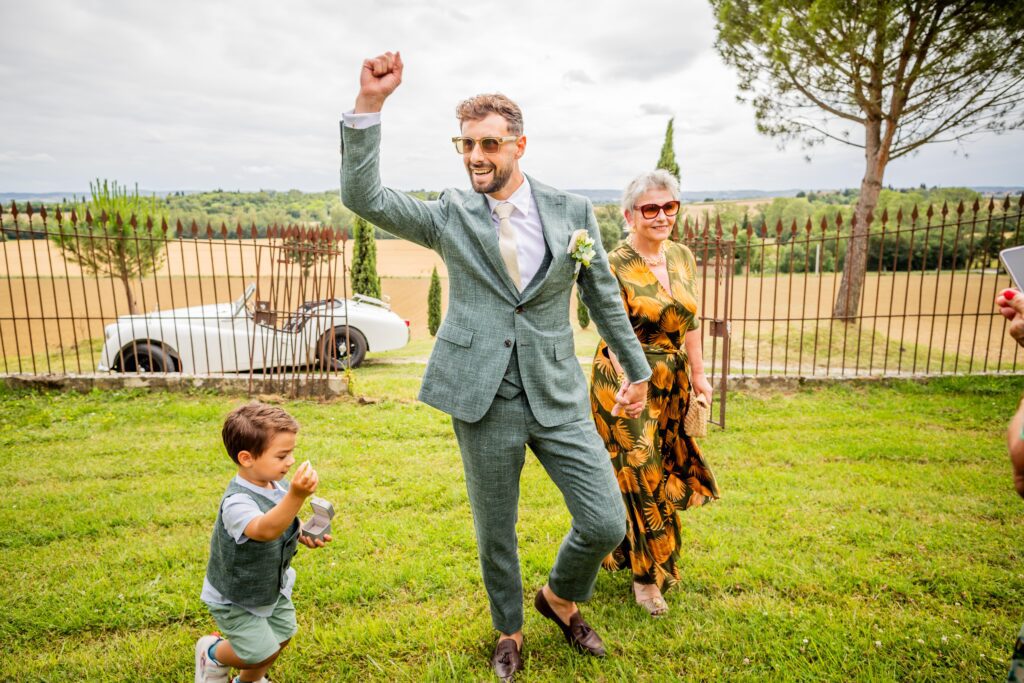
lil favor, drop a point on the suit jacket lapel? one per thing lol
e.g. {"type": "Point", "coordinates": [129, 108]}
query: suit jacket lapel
{"type": "Point", "coordinates": [551, 207]}
{"type": "Point", "coordinates": [482, 228]}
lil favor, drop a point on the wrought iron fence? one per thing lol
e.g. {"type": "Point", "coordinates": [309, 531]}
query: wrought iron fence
{"type": "Point", "coordinates": [926, 307]}
{"type": "Point", "coordinates": [101, 294]}
{"type": "Point", "coordinates": [74, 292]}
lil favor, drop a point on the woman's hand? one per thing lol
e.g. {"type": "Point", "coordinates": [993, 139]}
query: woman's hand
{"type": "Point", "coordinates": [701, 385]}
{"type": "Point", "coordinates": [1011, 304]}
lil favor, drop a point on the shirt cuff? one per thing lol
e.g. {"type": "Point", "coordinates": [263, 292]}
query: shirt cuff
{"type": "Point", "coordinates": [360, 121]}
{"type": "Point", "coordinates": [642, 379]}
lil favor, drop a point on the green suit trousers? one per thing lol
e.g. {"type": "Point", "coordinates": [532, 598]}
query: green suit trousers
{"type": "Point", "coordinates": [493, 453]}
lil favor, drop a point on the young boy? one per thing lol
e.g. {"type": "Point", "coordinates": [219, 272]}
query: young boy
{"type": "Point", "coordinates": [249, 580]}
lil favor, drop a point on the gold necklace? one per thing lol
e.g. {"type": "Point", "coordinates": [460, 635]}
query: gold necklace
{"type": "Point", "coordinates": [652, 261]}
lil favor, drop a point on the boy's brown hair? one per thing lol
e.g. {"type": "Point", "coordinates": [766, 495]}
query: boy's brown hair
{"type": "Point", "coordinates": [479, 106]}
{"type": "Point", "coordinates": [252, 426]}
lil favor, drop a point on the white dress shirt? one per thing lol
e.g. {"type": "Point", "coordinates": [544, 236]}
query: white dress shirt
{"type": "Point", "coordinates": [525, 219]}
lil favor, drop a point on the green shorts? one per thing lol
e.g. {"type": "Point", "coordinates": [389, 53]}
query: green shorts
{"type": "Point", "coordinates": [253, 638]}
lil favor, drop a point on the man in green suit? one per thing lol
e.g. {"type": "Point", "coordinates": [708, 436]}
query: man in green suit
{"type": "Point", "coordinates": [504, 365]}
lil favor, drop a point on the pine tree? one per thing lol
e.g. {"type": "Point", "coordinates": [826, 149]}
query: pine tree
{"type": "Point", "coordinates": [582, 313]}
{"type": "Point", "coordinates": [434, 303]}
{"type": "Point", "coordinates": [667, 160]}
{"type": "Point", "coordinates": [364, 260]}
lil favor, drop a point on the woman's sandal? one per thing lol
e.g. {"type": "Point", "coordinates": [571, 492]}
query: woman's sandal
{"type": "Point", "coordinates": [656, 607]}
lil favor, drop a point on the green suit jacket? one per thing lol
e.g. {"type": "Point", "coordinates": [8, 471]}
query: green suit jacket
{"type": "Point", "coordinates": [487, 316]}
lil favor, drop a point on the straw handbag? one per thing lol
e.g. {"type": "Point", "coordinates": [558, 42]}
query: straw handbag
{"type": "Point", "coordinates": [695, 423]}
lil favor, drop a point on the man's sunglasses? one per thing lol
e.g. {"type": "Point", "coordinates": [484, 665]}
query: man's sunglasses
{"type": "Point", "coordinates": [650, 211]}
{"type": "Point", "coordinates": [488, 145]}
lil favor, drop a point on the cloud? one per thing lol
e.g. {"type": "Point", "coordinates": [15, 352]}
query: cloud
{"type": "Point", "coordinates": [16, 157]}
{"type": "Point", "coordinates": [578, 76]}
{"type": "Point", "coordinates": [649, 109]}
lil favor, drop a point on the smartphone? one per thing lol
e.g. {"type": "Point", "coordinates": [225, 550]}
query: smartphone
{"type": "Point", "coordinates": [1013, 261]}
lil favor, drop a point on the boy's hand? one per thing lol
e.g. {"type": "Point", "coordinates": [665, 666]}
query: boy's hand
{"type": "Point", "coordinates": [304, 483]}
{"type": "Point", "coordinates": [317, 543]}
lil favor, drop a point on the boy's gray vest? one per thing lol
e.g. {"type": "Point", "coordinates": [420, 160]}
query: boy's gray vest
{"type": "Point", "coordinates": [250, 574]}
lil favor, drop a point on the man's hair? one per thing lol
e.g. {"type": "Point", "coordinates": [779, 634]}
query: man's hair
{"type": "Point", "coordinates": [478, 107]}
{"type": "Point", "coordinates": [252, 426]}
{"type": "Point", "coordinates": [658, 179]}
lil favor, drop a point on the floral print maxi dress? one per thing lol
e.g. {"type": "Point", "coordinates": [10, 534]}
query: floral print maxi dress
{"type": "Point", "coordinates": [659, 468]}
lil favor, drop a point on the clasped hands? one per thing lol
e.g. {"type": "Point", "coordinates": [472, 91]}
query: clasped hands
{"type": "Point", "coordinates": [630, 399]}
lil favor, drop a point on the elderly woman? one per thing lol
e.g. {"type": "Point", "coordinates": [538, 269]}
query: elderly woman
{"type": "Point", "coordinates": [659, 467]}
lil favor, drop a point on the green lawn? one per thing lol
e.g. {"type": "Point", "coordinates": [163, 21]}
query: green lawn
{"type": "Point", "coordinates": [863, 534]}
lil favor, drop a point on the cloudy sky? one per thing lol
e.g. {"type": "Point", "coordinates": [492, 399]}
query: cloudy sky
{"type": "Point", "coordinates": [204, 94]}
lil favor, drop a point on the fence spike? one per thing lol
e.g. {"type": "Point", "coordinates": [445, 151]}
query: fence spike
{"type": "Point", "coordinates": [88, 217]}
{"type": "Point", "coordinates": [930, 212]}
{"type": "Point", "coordinates": [42, 213]}
{"type": "Point", "coordinates": [117, 221]}
{"type": "Point", "coordinates": [14, 211]}
{"type": "Point", "coordinates": [209, 230]}
{"type": "Point", "coordinates": [223, 231]}
{"type": "Point", "coordinates": [28, 210]}
{"type": "Point", "coordinates": [59, 216]}
{"type": "Point", "coordinates": [163, 225]}
{"type": "Point", "coordinates": [195, 228]}
{"type": "Point", "coordinates": [179, 229]}
{"type": "Point", "coordinates": [976, 207]}
{"type": "Point", "coordinates": [809, 227]}
{"type": "Point", "coordinates": [149, 223]}
{"type": "Point", "coordinates": [1006, 204]}
{"type": "Point", "coordinates": [839, 219]}
{"type": "Point", "coordinates": [792, 228]}
{"type": "Point", "coordinates": [132, 221]}
{"type": "Point", "coordinates": [255, 232]}
{"type": "Point", "coordinates": [991, 204]}
{"type": "Point", "coordinates": [885, 216]}
{"type": "Point", "coordinates": [1020, 201]}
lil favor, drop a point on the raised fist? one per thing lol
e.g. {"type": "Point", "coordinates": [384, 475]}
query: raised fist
{"type": "Point", "coordinates": [377, 80]}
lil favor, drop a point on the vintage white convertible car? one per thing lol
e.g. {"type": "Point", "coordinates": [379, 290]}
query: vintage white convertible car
{"type": "Point", "coordinates": [237, 337]}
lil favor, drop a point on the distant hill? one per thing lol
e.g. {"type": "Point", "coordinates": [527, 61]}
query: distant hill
{"type": "Point", "coordinates": [613, 196]}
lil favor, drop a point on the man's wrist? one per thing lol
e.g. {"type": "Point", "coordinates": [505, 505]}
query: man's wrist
{"type": "Point", "coordinates": [366, 104]}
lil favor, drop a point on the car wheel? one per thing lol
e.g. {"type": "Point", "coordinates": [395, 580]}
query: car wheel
{"type": "Point", "coordinates": [333, 353]}
{"type": "Point", "coordinates": [143, 357]}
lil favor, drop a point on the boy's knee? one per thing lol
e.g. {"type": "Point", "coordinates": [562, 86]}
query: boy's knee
{"type": "Point", "coordinates": [269, 660]}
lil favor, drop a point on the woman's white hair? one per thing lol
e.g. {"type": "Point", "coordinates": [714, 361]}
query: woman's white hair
{"type": "Point", "coordinates": [658, 179]}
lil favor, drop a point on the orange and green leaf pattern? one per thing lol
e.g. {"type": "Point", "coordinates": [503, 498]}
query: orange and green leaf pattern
{"type": "Point", "coordinates": [659, 468]}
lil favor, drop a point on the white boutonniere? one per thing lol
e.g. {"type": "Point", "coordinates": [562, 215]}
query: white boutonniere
{"type": "Point", "coordinates": [581, 248]}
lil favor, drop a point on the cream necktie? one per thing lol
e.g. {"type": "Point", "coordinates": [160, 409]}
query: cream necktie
{"type": "Point", "coordinates": [507, 242]}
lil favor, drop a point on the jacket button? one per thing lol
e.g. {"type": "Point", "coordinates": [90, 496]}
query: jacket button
{"type": "Point", "coordinates": [519, 309]}
{"type": "Point", "coordinates": [508, 342]}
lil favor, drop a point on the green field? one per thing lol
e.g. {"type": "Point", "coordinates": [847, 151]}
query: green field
{"type": "Point", "coordinates": [863, 534]}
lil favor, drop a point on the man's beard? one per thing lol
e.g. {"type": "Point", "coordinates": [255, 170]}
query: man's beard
{"type": "Point", "coordinates": [498, 181]}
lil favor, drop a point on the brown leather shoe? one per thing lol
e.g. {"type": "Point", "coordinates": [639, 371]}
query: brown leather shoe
{"type": "Point", "coordinates": [578, 633]}
{"type": "Point", "coordinates": [506, 660]}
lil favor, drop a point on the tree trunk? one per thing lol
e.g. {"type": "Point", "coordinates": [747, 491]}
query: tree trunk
{"type": "Point", "coordinates": [133, 308]}
{"type": "Point", "coordinates": [847, 304]}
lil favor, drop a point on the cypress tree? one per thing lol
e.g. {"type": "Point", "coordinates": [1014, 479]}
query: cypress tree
{"type": "Point", "coordinates": [667, 160]}
{"type": "Point", "coordinates": [364, 260]}
{"type": "Point", "coordinates": [434, 303]}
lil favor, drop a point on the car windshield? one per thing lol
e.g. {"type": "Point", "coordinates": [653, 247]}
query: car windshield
{"type": "Point", "coordinates": [250, 289]}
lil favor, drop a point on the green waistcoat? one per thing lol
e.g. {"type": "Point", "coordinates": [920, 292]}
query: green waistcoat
{"type": "Point", "coordinates": [250, 574]}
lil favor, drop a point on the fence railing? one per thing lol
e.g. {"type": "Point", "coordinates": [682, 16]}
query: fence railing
{"type": "Point", "coordinates": [926, 306]}
{"type": "Point", "coordinates": [74, 293]}
{"type": "Point", "coordinates": [107, 294]}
